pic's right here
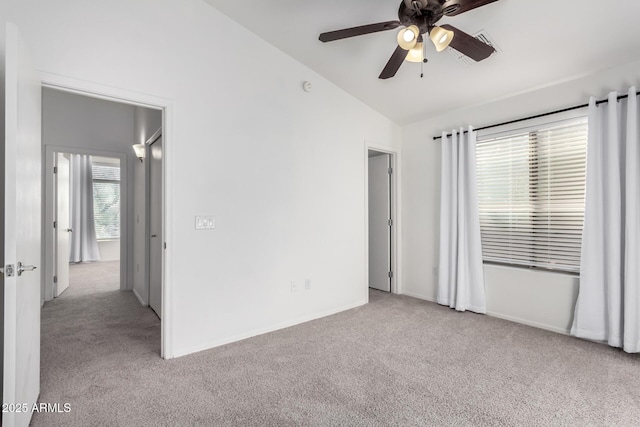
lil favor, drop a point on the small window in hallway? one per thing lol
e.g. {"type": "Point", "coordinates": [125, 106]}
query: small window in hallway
{"type": "Point", "coordinates": [106, 200]}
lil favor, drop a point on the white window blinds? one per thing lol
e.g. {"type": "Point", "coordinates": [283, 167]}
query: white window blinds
{"type": "Point", "coordinates": [106, 200]}
{"type": "Point", "coordinates": [531, 196]}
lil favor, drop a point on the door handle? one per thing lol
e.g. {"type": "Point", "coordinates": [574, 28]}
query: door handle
{"type": "Point", "coordinates": [154, 235]}
{"type": "Point", "coordinates": [23, 268]}
{"type": "Point", "coordinates": [69, 230]}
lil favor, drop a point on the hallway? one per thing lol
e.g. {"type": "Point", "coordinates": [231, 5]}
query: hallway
{"type": "Point", "coordinates": [93, 335]}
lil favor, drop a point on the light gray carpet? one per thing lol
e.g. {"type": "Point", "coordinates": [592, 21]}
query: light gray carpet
{"type": "Point", "coordinates": [396, 361]}
{"type": "Point", "coordinates": [93, 277]}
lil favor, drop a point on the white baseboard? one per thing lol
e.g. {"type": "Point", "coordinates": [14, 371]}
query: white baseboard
{"type": "Point", "coordinates": [502, 316]}
{"type": "Point", "coordinates": [304, 319]}
{"type": "Point", "coordinates": [530, 323]}
{"type": "Point", "coordinates": [144, 304]}
{"type": "Point", "coordinates": [419, 296]}
{"type": "Point", "coordinates": [261, 331]}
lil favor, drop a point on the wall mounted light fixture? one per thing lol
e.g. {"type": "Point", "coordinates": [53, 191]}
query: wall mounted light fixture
{"type": "Point", "coordinates": [139, 150]}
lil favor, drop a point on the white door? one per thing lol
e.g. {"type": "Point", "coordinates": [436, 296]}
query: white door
{"type": "Point", "coordinates": [379, 223]}
{"type": "Point", "coordinates": [22, 241]}
{"type": "Point", "coordinates": [155, 226]}
{"type": "Point", "coordinates": [63, 228]}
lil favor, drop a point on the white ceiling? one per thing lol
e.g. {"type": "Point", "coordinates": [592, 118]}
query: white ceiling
{"type": "Point", "coordinates": [541, 42]}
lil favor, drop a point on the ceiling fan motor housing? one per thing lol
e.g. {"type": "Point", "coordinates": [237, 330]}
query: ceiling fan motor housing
{"type": "Point", "coordinates": [424, 13]}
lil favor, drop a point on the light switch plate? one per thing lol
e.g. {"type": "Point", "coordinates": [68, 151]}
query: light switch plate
{"type": "Point", "coordinates": [205, 223]}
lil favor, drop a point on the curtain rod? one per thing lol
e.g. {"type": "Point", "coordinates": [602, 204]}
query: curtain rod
{"type": "Point", "coordinates": [602, 101]}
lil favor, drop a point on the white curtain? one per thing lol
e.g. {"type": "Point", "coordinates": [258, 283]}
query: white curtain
{"type": "Point", "coordinates": [461, 279]}
{"type": "Point", "coordinates": [84, 246]}
{"type": "Point", "coordinates": [608, 307]}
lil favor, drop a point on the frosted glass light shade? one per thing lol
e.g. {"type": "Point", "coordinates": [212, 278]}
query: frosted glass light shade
{"type": "Point", "coordinates": [441, 38]}
{"type": "Point", "coordinates": [416, 54]}
{"type": "Point", "coordinates": [408, 37]}
{"type": "Point", "coordinates": [139, 150]}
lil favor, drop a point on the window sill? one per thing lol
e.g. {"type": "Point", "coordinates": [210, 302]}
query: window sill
{"type": "Point", "coordinates": [108, 240]}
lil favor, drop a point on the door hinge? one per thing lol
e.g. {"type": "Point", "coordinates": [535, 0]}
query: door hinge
{"type": "Point", "coordinates": [8, 270]}
{"type": "Point", "coordinates": [55, 279]}
{"type": "Point", "coordinates": [390, 222]}
{"type": "Point", "coordinates": [390, 171]}
{"type": "Point", "coordinates": [390, 274]}
{"type": "Point", "coordinates": [55, 224]}
{"type": "Point", "coordinates": [55, 169]}
{"type": "Point", "coordinates": [165, 245]}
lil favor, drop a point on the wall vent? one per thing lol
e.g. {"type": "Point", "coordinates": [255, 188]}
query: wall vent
{"type": "Point", "coordinates": [484, 37]}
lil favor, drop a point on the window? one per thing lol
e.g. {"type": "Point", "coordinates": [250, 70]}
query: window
{"type": "Point", "coordinates": [531, 188]}
{"type": "Point", "coordinates": [106, 200]}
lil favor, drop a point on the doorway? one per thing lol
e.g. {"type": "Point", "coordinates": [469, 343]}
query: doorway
{"type": "Point", "coordinates": [381, 212]}
{"type": "Point", "coordinates": [86, 223]}
{"type": "Point", "coordinates": [102, 133]}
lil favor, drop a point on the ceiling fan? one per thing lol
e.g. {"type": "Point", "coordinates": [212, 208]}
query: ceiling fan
{"type": "Point", "coordinates": [419, 17]}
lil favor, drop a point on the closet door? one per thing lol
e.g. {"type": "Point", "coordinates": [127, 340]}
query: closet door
{"type": "Point", "coordinates": [379, 223]}
{"type": "Point", "coordinates": [156, 239]}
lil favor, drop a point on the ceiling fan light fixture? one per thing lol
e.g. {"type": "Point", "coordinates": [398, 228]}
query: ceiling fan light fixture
{"type": "Point", "coordinates": [416, 54]}
{"type": "Point", "coordinates": [441, 38]}
{"type": "Point", "coordinates": [408, 37]}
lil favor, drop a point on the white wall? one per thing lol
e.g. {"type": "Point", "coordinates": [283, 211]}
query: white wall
{"type": "Point", "coordinates": [281, 170]}
{"type": "Point", "coordinates": [78, 122]}
{"type": "Point", "coordinates": [538, 298]}
{"type": "Point", "coordinates": [109, 250]}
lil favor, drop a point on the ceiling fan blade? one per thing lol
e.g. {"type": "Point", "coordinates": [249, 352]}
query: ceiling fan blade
{"type": "Point", "coordinates": [468, 45]}
{"type": "Point", "coordinates": [358, 31]}
{"type": "Point", "coordinates": [394, 63]}
{"type": "Point", "coordinates": [456, 7]}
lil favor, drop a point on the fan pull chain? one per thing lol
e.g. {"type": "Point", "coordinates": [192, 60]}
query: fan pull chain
{"type": "Point", "coordinates": [424, 60]}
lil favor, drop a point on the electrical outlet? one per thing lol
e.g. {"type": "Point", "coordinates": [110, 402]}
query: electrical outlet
{"type": "Point", "coordinates": [294, 287]}
{"type": "Point", "coordinates": [307, 284]}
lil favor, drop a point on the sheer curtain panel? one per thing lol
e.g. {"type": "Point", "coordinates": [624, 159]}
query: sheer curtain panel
{"type": "Point", "coordinates": [608, 307]}
{"type": "Point", "coordinates": [461, 279]}
{"type": "Point", "coordinates": [84, 245]}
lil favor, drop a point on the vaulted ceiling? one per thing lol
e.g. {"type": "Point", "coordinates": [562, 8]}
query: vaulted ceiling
{"type": "Point", "coordinates": [540, 42]}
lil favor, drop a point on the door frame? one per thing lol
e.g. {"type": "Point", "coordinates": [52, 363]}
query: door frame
{"type": "Point", "coordinates": [396, 214]}
{"type": "Point", "coordinates": [124, 96]}
{"type": "Point", "coordinates": [50, 200]}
